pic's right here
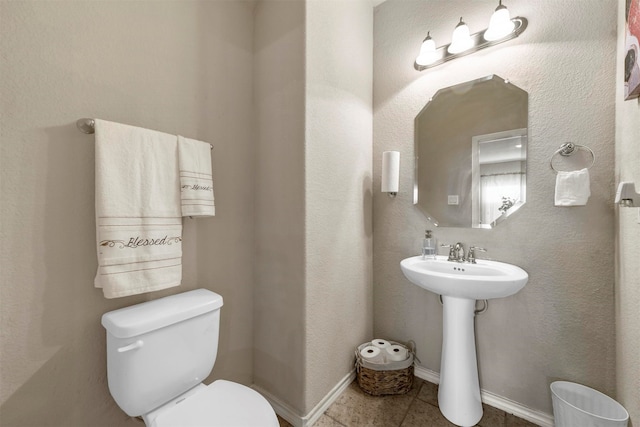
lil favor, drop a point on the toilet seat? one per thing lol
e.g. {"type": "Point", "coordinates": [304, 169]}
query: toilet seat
{"type": "Point", "coordinates": [220, 404]}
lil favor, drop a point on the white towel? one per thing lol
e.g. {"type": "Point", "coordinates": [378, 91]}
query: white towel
{"type": "Point", "coordinates": [196, 180]}
{"type": "Point", "coordinates": [138, 219]}
{"type": "Point", "coordinates": [572, 188]}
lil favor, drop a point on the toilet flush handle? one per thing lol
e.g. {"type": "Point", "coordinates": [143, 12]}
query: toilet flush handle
{"type": "Point", "coordinates": [130, 347]}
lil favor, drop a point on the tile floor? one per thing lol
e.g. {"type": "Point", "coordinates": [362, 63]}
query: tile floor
{"type": "Point", "coordinates": [418, 408]}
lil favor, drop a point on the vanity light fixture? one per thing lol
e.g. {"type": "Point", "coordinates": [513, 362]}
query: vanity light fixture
{"type": "Point", "coordinates": [428, 53]}
{"type": "Point", "coordinates": [500, 24]}
{"type": "Point", "coordinates": [501, 28]}
{"type": "Point", "coordinates": [460, 39]}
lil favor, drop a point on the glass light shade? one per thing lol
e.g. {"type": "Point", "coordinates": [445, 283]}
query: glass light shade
{"type": "Point", "coordinates": [500, 24]}
{"type": "Point", "coordinates": [461, 39]}
{"type": "Point", "coordinates": [427, 53]}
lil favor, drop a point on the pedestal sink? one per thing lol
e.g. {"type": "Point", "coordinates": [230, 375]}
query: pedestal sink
{"type": "Point", "coordinates": [460, 285]}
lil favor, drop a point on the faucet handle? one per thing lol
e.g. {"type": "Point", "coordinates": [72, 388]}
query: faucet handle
{"type": "Point", "coordinates": [452, 251]}
{"type": "Point", "coordinates": [471, 257]}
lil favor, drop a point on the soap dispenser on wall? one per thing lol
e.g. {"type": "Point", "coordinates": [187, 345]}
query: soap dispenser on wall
{"type": "Point", "coordinates": [429, 246]}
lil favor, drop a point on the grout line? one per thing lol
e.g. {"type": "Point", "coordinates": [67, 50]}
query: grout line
{"type": "Point", "coordinates": [329, 416]}
{"type": "Point", "coordinates": [410, 403]}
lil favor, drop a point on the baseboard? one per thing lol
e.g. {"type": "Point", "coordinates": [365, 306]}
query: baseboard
{"type": "Point", "coordinates": [331, 397]}
{"type": "Point", "coordinates": [537, 417]}
{"type": "Point", "coordinates": [289, 414]}
{"type": "Point", "coordinates": [426, 374]}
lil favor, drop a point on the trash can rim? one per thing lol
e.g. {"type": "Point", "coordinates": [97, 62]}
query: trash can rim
{"type": "Point", "coordinates": [560, 383]}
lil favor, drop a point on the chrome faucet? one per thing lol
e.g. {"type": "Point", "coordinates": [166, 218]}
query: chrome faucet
{"type": "Point", "coordinates": [471, 256]}
{"type": "Point", "coordinates": [457, 252]}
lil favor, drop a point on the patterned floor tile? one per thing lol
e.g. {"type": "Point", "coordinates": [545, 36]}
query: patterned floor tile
{"type": "Point", "coordinates": [327, 421]}
{"type": "Point", "coordinates": [356, 408]}
{"type": "Point", "coordinates": [429, 393]}
{"type": "Point", "coordinates": [418, 408]}
{"type": "Point", "coordinates": [422, 414]}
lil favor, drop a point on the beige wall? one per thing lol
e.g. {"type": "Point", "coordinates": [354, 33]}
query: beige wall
{"type": "Point", "coordinates": [561, 325]}
{"type": "Point", "coordinates": [223, 72]}
{"type": "Point", "coordinates": [338, 245]}
{"type": "Point", "coordinates": [313, 298]}
{"type": "Point", "coordinates": [179, 67]}
{"type": "Point", "coordinates": [279, 328]}
{"type": "Point", "coordinates": [627, 243]}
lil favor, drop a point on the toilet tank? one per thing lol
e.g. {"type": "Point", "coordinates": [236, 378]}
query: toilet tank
{"type": "Point", "coordinates": [159, 349]}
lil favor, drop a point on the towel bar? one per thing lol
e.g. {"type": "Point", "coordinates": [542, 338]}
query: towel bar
{"type": "Point", "coordinates": [567, 149]}
{"type": "Point", "coordinates": [88, 126]}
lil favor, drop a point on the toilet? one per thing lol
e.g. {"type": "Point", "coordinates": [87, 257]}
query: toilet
{"type": "Point", "coordinates": [158, 354]}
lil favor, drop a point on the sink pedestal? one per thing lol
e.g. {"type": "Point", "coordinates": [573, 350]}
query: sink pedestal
{"type": "Point", "coordinates": [459, 390]}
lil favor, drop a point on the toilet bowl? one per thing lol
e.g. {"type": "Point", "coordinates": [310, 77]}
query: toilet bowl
{"type": "Point", "coordinates": [158, 354]}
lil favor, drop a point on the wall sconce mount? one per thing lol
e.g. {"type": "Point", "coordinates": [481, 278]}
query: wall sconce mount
{"type": "Point", "coordinates": [390, 173]}
{"type": "Point", "coordinates": [626, 195]}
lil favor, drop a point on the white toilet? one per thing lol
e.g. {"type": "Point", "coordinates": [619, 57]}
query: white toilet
{"type": "Point", "coordinates": [158, 354]}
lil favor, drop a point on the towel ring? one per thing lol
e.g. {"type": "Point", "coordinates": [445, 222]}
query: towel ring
{"type": "Point", "coordinates": [567, 149]}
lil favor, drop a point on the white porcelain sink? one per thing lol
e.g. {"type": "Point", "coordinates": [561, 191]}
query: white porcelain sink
{"type": "Point", "coordinates": [484, 280]}
{"type": "Point", "coordinates": [460, 285]}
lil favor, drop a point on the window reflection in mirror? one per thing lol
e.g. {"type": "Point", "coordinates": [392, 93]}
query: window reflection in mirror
{"type": "Point", "coordinates": [498, 176]}
{"type": "Point", "coordinates": [470, 148]}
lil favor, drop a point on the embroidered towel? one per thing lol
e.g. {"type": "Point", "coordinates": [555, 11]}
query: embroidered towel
{"type": "Point", "coordinates": [196, 180]}
{"type": "Point", "coordinates": [572, 188]}
{"type": "Point", "coordinates": [138, 219]}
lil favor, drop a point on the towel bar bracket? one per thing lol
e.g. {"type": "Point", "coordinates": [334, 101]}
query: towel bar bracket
{"type": "Point", "coordinates": [86, 125]}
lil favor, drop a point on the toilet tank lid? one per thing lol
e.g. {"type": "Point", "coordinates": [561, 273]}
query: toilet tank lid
{"type": "Point", "coordinates": [148, 316]}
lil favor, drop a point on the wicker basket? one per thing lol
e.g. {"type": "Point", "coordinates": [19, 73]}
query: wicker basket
{"type": "Point", "coordinates": [384, 379]}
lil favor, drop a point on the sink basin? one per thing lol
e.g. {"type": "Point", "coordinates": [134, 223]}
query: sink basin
{"type": "Point", "coordinates": [484, 280]}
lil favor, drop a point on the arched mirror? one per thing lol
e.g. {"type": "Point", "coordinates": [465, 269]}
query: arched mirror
{"type": "Point", "coordinates": [471, 153]}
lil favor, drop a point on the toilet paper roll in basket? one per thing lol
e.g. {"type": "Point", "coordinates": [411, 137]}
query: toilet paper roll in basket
{"type": "Point", "coordinates": [380, 343]}
{"type": "Point", "coordinates": [397, 353]}
{"type": "Point", "coordinates": [372, 354]}
{"type": "Point", "coordinates": [382, 363]}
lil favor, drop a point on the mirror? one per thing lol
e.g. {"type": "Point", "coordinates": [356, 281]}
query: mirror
{"type": "Point", "coordinates": [471, 154]}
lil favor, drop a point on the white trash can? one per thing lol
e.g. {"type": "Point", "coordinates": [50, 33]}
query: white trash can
{"type": "Point", "coordinates": [575, 405]}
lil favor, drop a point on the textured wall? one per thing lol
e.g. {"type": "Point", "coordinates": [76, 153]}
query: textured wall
{"type": "Point", "coordinates": [279, 264]}
{"type": "Point", "coordinates": [339, 297]}
{"type": "Point", "coordinates": [561, 325]}
{"type": "Point", "coordinates": [627, 243]}
{"type": "Point", "coordinates": [313, 192]}
{"type": "Point", "coordinates": [179, 67]}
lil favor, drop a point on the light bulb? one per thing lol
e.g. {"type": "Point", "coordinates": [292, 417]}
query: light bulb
{"type": "Point", "coordinates": [500, 24]}
{"type": "Point", "coordinates": [427, 53]}
{"type": "Point", "coordinates": [461, 39]}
